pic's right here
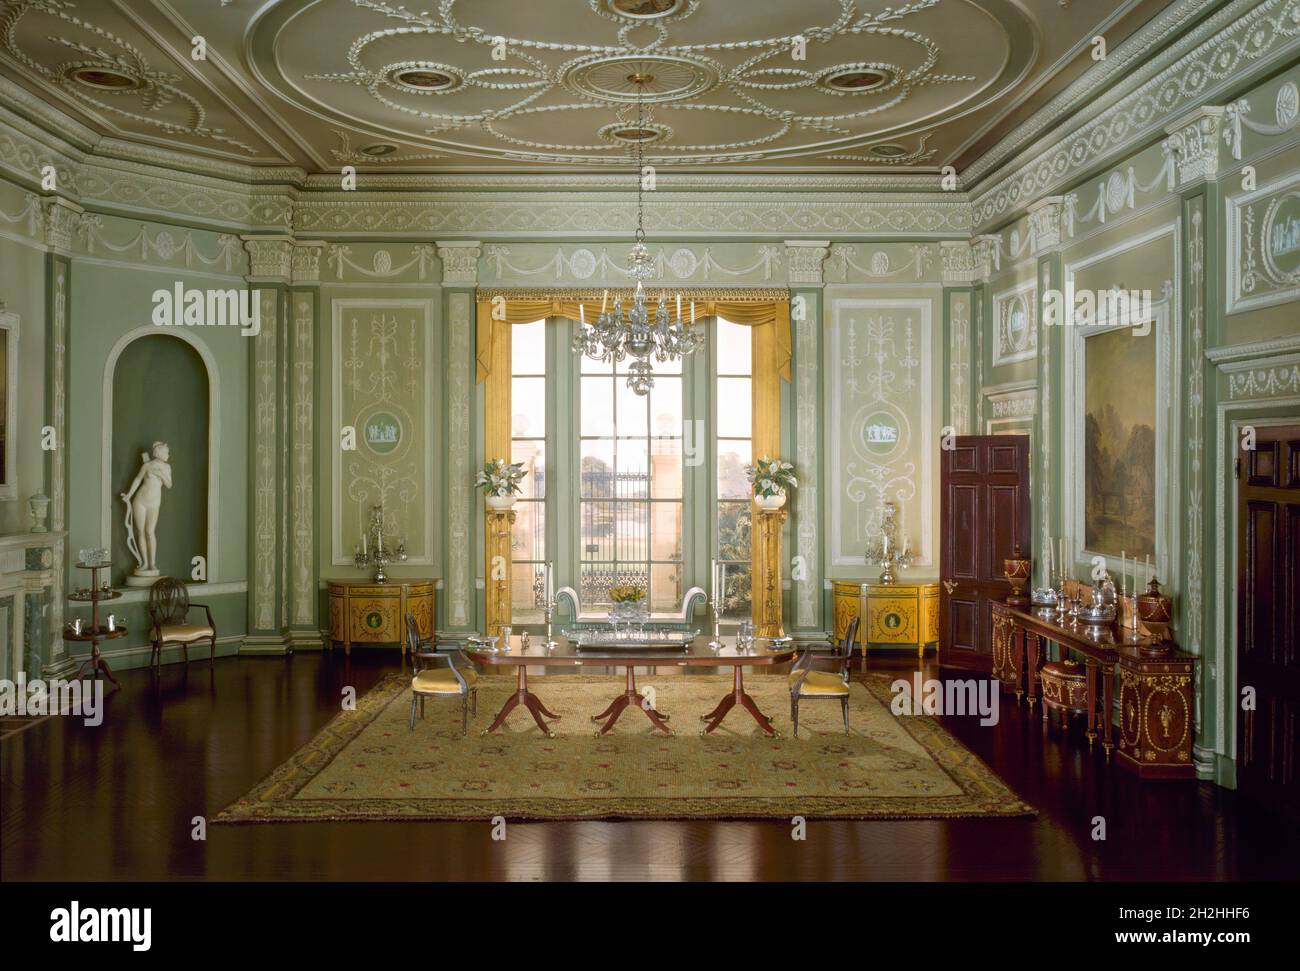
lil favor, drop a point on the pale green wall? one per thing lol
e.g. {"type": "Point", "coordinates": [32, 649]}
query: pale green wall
{"type": "Point", "coordinates": [22, 270]}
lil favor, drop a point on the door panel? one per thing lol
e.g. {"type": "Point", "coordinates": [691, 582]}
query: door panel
{"type": "Point", "coordinates": [1268, 618]}
{"type": "Point", "coordinates": [984, 512]}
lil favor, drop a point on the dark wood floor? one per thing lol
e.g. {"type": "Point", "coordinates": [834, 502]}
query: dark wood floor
{"type": "Point", "coordinates": [117, 802]}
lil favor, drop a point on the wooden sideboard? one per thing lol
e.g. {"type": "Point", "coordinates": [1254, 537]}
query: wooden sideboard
{"type": "Point", "coordinates": [897, 613]}
{"type": "Point", "coordinates": [1155, 691]}
{"type": "Point", "coordinates": [365, 612]}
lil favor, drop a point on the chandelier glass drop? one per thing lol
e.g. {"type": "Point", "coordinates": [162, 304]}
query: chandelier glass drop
{"type": "Point", "coordinates": [638, 333]}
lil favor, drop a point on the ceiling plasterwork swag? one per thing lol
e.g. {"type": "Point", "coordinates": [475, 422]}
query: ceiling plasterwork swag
{"type": "Point", "coordinates": [518, 83]}
{"type": "Point", "coordinates": [113, 78]}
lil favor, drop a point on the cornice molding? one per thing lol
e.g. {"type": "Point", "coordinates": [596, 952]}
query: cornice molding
{"type": "Point", "coordinates": [1246, 37]}
{"type": "Point", "coordinates": [1235, 357]}
{"type": "Point", "coordinates": [1102, 85]}
{"type": "Point", "coordinates": [501, 215]}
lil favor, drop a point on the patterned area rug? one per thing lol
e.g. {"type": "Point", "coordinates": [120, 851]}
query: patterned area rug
{"type": "Point", "coordinates": [366, 764]}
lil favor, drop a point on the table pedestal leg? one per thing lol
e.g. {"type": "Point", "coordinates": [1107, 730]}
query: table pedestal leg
{"type": "Point", "coordinates": [631, 698]}
{"type": "Point", "coordinates": [737, 695]}
{"type": "Point", "coordinates": [523, 696]}
{"type": "Point", "coordinates": [96, 663]}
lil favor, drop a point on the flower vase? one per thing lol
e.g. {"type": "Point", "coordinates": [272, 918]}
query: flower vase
{"type": "Point", "coordinates": [770, 502]}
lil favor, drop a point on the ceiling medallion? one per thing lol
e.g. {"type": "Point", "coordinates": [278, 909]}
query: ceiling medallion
{"type": "Point", "coordinates": [628, 78]}
{"type": "Point", "coordinates": [635, 132]}
{"type": "Point", "coordinates": [424, 78]}
{"type": "Point", "coordinates": [103, 77]}
{"type": "Point", "coordinates": [644, 9]}
{"type": "Point", "coordinates": [857, 78]}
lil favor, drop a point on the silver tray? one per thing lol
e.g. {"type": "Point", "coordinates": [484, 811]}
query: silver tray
{"type": "Point", "coordinates": [1090, 615]}
{"type": "Point", "coordinates": [608, 640]}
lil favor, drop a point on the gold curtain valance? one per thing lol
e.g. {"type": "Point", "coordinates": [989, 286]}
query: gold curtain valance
{"type": "Point", "coordinates": [750, 307]}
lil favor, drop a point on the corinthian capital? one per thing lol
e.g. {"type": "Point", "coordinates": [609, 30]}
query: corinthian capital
{"type": "Point", "coordinates": [1193, 144]}
{"type": "Point", "coordinates": [804, 258]}
{"type": "Point", "coordinates": [270, 257]}
{"type": "Point", "coordinates": [460, 261]}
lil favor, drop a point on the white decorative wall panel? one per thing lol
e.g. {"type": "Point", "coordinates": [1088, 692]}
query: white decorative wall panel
{"type": "Point", "coordinates": [879, 422]}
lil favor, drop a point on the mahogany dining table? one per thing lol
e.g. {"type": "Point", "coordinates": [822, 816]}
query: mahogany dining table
{"type": "Point", "coordinates": [696, 654]}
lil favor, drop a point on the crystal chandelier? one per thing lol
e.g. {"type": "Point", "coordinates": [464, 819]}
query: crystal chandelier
{"type": "Point", "coordinates": [637, 333]}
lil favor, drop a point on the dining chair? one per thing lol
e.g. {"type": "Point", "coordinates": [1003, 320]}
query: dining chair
{"type": "Point", "coordinates": [440, 682]}
{"type": "Point", "coordinates": [169, 607]}
{"type": "Point", "coordinates": [823, 685]}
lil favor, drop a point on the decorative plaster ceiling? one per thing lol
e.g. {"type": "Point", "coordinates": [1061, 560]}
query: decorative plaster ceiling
{"type": "Point", "coordinates": [764, 85]}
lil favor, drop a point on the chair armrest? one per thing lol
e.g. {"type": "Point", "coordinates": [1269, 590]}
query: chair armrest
{"type": "Point", "coordinates": [802, 666]}
{"type": "Point", "coordinates": [460, 678]}
{"type": "Point", "coordinates": [208, 611]}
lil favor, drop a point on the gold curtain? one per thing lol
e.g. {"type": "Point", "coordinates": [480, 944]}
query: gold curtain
{"type": "Point", "coordinates": [752, 308]}
{"type": "Point", "coordinates": [767, 311]}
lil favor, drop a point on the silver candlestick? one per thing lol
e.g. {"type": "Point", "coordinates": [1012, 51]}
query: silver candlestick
{"type": "Point", "coordinates": [548, 608]}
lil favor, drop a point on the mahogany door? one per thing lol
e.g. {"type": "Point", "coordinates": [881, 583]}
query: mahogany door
{"type": "Point", "coordinates": [1268, 617]}
{"type": "Point", "coordinates": [983, 515]}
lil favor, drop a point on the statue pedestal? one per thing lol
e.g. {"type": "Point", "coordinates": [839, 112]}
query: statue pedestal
{"type": "Point", "coordinates": [143, 578]}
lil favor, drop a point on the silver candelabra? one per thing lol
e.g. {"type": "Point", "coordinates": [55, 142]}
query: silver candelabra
{"type": "Point", "coordinates": [379, 552]}
{"type": "Point", "coordinates": [887, 552]}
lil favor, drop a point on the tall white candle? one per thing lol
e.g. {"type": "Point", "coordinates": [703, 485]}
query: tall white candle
{"type": "Point", "coordinates": [722, 582]}
{"type": "Point", "coordinates": [582, 313]}
{"type": "Point", "coordinates": [1049, 562]}
{"type": "Point", "coordinates": [1148, 569]}
{"type": "Point", "coordinates": [679, 305]}
{"type": "Point", "coordinates": [1123, 580]}
{"type": "Point", "coordinates": [692, 311]}
{"type": "Point", "coordinates": [603, 298]}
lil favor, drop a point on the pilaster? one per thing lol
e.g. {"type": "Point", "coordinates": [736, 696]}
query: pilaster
{"type": "Point", "coordinates": [960, 271]}
{"type": "Point", "coordinates": [303, 316]}
{"type": "Point", "coordinates": [805, 260]}
{"type": "Point", "coordinates": [458, 603]}
{"type": "Point", "coordinates": [60, 219]}
{"type": "Point", "coordinates": [271, 261]}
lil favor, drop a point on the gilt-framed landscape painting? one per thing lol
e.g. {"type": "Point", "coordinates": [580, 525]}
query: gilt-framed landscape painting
{"type": "Point", "coordinates": [1119, 441]}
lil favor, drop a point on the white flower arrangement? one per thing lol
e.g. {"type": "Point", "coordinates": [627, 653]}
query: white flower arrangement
{"type": "Point", "coordinates": [500, 478]}
{"type": "Point", "coordinates": [771, 477]}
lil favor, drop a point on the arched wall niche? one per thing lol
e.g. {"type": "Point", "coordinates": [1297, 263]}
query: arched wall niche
{"type": "Point", "coordinates": [160, 385]}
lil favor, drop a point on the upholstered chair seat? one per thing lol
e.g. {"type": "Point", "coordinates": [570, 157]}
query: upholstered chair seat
{"type": "Point", "coordinates": [169, 607]}
{"type": "Point", "coordinates": [457, 679]}
{"type": "Point", "coordinates": [441, 682]}
{"type": "Point", "coordinates": [821, 684]}
{"type": "Point", "coordinates": [804, 682]}
{"type": "Point", "coordinates": [186, 632]}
